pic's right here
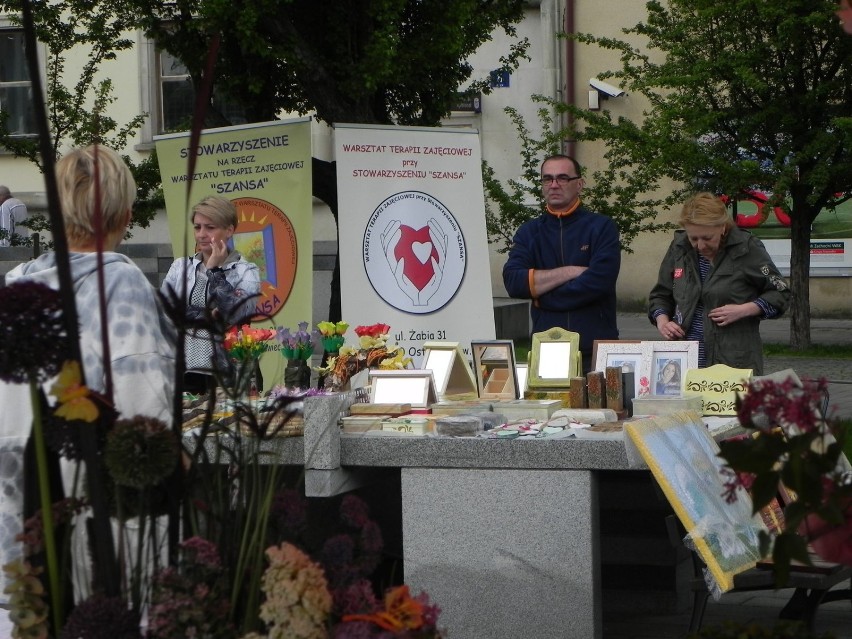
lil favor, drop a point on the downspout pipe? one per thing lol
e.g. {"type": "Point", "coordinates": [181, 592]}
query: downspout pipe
{"type": "Point", "coordinates": [570, 145]}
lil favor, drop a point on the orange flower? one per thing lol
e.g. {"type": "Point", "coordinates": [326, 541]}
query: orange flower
{"type": "Point", "coordinates": [72, 396]}
{"type": "Point", "coordinates": [401, 612]}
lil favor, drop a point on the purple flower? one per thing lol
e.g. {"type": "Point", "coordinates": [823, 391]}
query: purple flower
{"type": "Point", "coordinates": [371, 538]}
{"type": "Point", "coordinates": [289, 511]}
{"type": "Point", "coordinates": [356, 599]}
{"type": "Point", "coordinates": [102, 618]}
{"type": "Point", "coordinates": [354, 511]}
{"type": "Point", "coordinates": [200, 551]}
{"type": "Point", "coordinates": [354, 630]}
{"type": "Point", "coordinates": [337, 557]}
{"type": "Point", "coordinates": [33, 340]}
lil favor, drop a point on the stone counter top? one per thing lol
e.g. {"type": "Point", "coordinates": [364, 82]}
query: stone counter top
{"type": "Point", "coordinates": [445, 452]}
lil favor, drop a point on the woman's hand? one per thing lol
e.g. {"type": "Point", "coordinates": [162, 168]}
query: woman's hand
{"type": "Point", "coordinates": [218, 255]}
{"type": "Point", "coordinates": [730, 313]}
{"type": "Point", "coordinates": [669, 329]}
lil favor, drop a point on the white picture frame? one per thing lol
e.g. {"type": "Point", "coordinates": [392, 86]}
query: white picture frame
{"type": "Point", "coordinates": [404, 386]}
{"type": "Point", "coordinates": [631, 355]}
{"type": "Point", "coordinates": [669, 363]}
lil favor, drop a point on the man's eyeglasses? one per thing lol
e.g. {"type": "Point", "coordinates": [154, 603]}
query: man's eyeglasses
{"type": "Point", "coordinates": [561, 179]}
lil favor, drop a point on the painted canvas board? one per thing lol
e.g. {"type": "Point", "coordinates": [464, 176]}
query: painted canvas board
{"type": "Point", "coordinates": [684, 460]}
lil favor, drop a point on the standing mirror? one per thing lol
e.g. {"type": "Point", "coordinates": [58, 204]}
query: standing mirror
{"type": "Point", "coordinates": [554, 359]}
{"type": "Point", "coordinates": [522, 371]}
{"type": "Point", "coordinates": [494, 364]}
{"type": "Point", "coordinates": [453, 377]}
{"type": "Point", "coordinates": [406, 386]}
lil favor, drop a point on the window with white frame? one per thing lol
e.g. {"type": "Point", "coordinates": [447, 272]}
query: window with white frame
{"type": "Point", "coordinates": [177, 95]}
{"type": "Point", "coordinates": [16, 99]}
{"type": "Point", "coordinates": [170, 96]}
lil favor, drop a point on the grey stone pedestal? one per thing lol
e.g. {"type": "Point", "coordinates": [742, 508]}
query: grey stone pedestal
{"type": "Point", "coordinates": [505, 553]}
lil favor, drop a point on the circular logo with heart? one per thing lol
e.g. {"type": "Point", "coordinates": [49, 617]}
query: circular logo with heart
{"type": "Point", "coordinates": [414, 252]}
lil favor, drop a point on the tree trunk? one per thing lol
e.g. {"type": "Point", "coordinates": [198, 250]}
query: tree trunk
{"type": "Point", "coordinates": [800, 266]}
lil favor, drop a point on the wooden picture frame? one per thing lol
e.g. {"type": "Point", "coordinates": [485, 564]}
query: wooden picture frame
{"type": "Point", "coordinates": [554, 359]}
{"type": "Point", "coordinates": [669, 363]}
{"type": "Point", "coordinates": [494, 364]}
{"type": "Point", "coordinates": [633, 356]}
{"type": "Point", "coordinates": [453, 376]}
{"type": "Point", "coordinates": [404, 386]}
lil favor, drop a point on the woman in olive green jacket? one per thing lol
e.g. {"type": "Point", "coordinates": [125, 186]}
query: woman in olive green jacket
{"type": "Point", "coordinates": [716, 283]}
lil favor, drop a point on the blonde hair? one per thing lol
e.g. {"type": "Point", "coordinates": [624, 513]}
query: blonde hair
{"type": "Point", "coordinates": [220, 211]}
{"type": "Point", "coordinates": [705, 209]}
{"type": "Point", "coordinates": [116, 192]}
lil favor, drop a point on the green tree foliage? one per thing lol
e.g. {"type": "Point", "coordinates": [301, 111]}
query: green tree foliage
{"type": "Point", "coordinates": [77, 116]}
{"type": "Point", "coordinates": [364, 61]}
{"type": "Point", "coordinates": [509, 206]}
{"type": "Point", "coordinates": [741, 94]}
{"type": "Point", "coordinates": [356, 61]}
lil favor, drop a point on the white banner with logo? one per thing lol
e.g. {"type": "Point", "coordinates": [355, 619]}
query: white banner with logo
{"type": "Point", "coordinates": [413, 244]}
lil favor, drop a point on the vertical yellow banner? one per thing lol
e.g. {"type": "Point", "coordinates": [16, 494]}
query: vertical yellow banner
{"type": "Point", "coordinates": [265, 170]}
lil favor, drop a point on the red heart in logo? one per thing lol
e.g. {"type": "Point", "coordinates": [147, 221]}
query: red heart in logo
{"type": "Point", "coordinates": [416, 248]}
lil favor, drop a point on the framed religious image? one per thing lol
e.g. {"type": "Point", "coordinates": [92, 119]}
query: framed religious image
{"type": "Point", "coordinates": [494, 364]}
{"type": "Point", "coordinates": [448, 363]}
{"type": "Point", "coordinates": [669, 363]}
{"type": "Point", "coordinates": [684, 459]}
{"type": "Point", "coordinates": [554, 359]}
{"type": "Point", "coordinates": [633, 356]}
{"type": "Point", "coordinates": [405, 386]}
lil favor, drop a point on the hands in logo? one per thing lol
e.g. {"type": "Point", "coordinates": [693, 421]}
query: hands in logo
{"type": "Point", "coordinates": [416, 258]}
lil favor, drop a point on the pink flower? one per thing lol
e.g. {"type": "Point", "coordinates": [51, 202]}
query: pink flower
{"type": "Point", "coordinates": [832, 543]}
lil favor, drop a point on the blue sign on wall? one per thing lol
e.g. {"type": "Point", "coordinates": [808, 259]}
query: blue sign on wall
{"type": "Point", "coordinates": [499, 78]}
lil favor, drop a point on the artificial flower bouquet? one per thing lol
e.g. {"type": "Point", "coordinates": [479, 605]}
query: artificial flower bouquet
{"type": "Point", "coordinates": [373, 352]}
{"type": "Point", "coordinates": [244, 343]}
{"type": "Point", "coordinates": [298, 345]}
{"type": "Point", "coordinates": [332, 335]}
{"type": "Point", "coordinates": [298, 348]}
{"type": "Point", "coordinates": [244, 346]}
{"type": "Point", "coordinates": [793, 448]}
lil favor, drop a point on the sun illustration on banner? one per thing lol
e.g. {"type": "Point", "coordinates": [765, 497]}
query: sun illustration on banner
{"type": "Point", "coordinates": [266, 237]}
{"type": "Point", "coordinates": [414, 252]}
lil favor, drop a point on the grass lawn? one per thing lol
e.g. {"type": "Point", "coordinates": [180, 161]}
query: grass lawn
{"type": "Point", "coordinates": [828, 351]}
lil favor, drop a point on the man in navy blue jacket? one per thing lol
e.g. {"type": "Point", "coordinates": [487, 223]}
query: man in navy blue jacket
{"type": "Point", "coordinates": [567, 261]}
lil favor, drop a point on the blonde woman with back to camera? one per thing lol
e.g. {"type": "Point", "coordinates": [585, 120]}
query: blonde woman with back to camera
{"type": "Point", "coordinates": [217, 282]}
{"type": "Point", "coordinates": [715, 284]}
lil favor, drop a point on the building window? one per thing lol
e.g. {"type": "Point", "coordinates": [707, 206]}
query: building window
{"type": "Point", "coordinates": [16, 100]}
{"type": "Point", "coordinates": [177, 95]}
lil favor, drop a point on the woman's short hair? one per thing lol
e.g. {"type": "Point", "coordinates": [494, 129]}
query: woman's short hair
{"type": "Point", "coordinates": [219, 210]}
{"type": "Point", "coordinates": [705, 209]}
{"type": "Point", "coordinates": [115, 192]}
